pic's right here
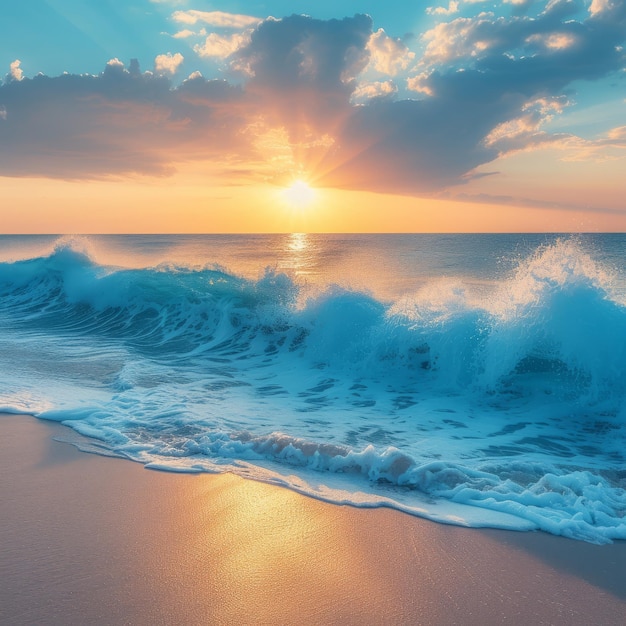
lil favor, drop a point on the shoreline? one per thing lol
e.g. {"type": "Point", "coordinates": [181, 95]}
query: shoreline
{"type": "Point", "coordinates": [92, 539]}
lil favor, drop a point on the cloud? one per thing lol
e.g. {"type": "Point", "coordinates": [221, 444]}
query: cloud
{"type": "Point", "coordinates": [544, 52]}
{"type": "Point", "coordinates": [486, 79]}
{"type": "Point", "coordinates": [219, 19]}
{"type": "Point", "coordinates": [453, 7]}
{"type": "Point", "coordinates": [15, 71]}
{"type": "Point", "coordinates": [185, 33]}
{"type": "Point", "coordinates": [377, 89]}
{"type": "Point", "coordinates": [553, 41]}
{"type": "Point", "coordinates": [522, 129]}
{"type": "Point", "coordinates": [114, 63]}
{"type": "Point", "coordinates": [487, 85]}
{"type": "Point", "coordinates": [168, 63]}
{"type": "Point", "coordinates": [527, 202]}
{"type": "Point", "coordinates": [388, 55]}
{"type": "Point", "coordinates": [599, 7]}
{"type": "Point", "coordinates": [303, 71]}
{"type": "Point", "coordinates": [520, 7]}
{"type": "Point", "coordinates": [470, 38]}
{"type": "Point", "coordinates": [218, 46]}
{"type": "Point", "coordinates": [609, 147]}
{"type": "Point", "coordinates": [116, 123]}
{"type": "Point", "coordinates": [410, 146]}
{"type": "Point", "coordinates": [525, 133]}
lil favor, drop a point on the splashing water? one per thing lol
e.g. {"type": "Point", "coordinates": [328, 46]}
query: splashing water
{"type": "Point", "coordinates": [466, 396]}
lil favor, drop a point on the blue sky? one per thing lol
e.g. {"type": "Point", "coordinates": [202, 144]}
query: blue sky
{"type": "Point", "coordinates": [518, 102]}
{"type": "Point", "coordinates": [53, 36]}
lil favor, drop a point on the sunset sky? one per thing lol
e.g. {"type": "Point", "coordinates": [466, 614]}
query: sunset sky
{"type": "Point", "coordinates": [388, 116]}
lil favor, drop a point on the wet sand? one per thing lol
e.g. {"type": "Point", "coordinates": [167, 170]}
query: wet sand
{"type": "Point", "coordinates": [86, 539]}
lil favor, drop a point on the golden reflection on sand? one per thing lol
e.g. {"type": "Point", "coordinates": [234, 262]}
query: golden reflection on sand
{"type": "Point", "coordinates": [274, 557]}
{"type": "Point", "coordinates": [269, 543]}
{"type": "Point", "coordinates": [89, 539]}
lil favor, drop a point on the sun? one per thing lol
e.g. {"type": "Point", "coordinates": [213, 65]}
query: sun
{"type": "Point", "coordinates": [299, 194]}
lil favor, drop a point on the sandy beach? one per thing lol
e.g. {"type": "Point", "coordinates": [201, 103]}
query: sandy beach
{"type": "Point", "coordinates": [86, 539]}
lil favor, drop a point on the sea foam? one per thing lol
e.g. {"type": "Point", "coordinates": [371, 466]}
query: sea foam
{"type": "Point", "coordinates": [503, 403]}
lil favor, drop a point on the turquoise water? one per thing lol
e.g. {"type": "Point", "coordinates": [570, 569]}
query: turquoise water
{"type": "Point", "coordinates": [472, 379]}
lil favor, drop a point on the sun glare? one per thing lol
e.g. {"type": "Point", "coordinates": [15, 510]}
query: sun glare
{"type": "Point", "coordinates": [299, 194]}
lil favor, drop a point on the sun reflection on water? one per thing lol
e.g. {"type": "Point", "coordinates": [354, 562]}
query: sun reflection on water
{"type": "Point", "coordinates": [301, 256]}
{"type": "Point", "coordinates": [298, 242]}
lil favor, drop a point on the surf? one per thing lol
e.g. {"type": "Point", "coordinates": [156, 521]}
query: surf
{"type": "Point", "coordinates": [504, 402]}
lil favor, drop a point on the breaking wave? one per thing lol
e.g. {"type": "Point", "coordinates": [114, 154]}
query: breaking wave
{"type": "Point", "coordinates": [501, 408]}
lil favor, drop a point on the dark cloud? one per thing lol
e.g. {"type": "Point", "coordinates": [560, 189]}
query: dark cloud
{"type": "Point", "coordinates": [299, 76]}
{"type": "Point", "coordinates": [303, 71]}
{"type": "Point", "coordinates": [407, 146]}
{"type": "Point", "coordinates": [115, 123]}
{"type": "Point", "coordinates": [299, 52]}
{"type": "Point", "coordinates": [425, 145]}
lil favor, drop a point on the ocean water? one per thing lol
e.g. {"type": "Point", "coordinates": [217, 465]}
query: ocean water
{"type": "Point", "coordinates": [477, 380]}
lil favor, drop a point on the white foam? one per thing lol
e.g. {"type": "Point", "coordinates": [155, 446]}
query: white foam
{"type": "Point", "coordinates": [500, 406]}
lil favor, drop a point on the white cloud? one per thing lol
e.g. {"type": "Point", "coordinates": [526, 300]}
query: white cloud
{"type": "Point", "coordinates": [609, 147]}
{"type": "Point", "coordinates": [513, 130]}
{"type": "Point", "coordinates": [461, 38]}
{"type": "Point", "coordinates": [387, 54]}
{"type": "Point", "coordinates": [618, 134]}
{"type": "Point", "coordinates": [168, 63]}
{"type": "Point", "coordinates": [16, 72]}
{"type": "Point", "coordinates": [467, 39]}
{"type": "Point", "coordinates": [599, 6]}
{"type": "Point", "coordinates": [524, 134]}
{"type": "Point", "coordinates": [553, 41]}
{"type": "Point", "coordinates": [3, 114]}
{"type": "Point", "coordinates": [219, 19]}
{"type": "Point", "coordinates": [419, 83]}
{"type": "Point", "coordinates": [378, 89]}
{"type": "Point", "coordinates": [453, 7]}
{"type": "Point", "coordinates": [115, 62]}
{"type": "Point", "coordinates": [183, 34]}
{"type": "Point", "coordinates": [218, 46]}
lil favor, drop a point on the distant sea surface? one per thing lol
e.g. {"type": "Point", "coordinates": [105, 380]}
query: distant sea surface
{"type": "Point", "coordinates": [477, 380]}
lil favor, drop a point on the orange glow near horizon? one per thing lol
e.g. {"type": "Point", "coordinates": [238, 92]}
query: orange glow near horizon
{"type": "Point", "coordinates": [188, 204]}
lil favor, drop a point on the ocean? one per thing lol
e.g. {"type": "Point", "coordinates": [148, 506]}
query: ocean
{"type": "Point", "coordinates": [477, 380]}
